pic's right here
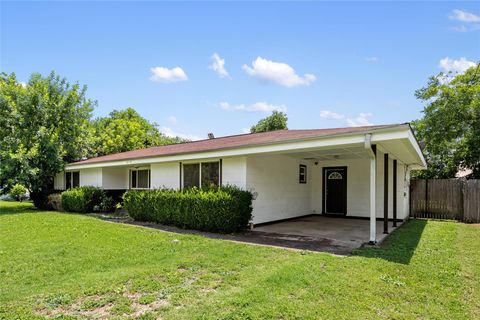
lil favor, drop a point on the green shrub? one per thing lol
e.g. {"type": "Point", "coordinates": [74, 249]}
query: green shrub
{"type": "Point", "coordinates": [82, 199]}
{"type": "Point", "coordinates": [40, 198]}
{"type": "Point", "coordinates": [106, 205]}
{"type": "Point", "coordinates": [225, 209]}
{"type": "Point", "coordinates": [19, 192]}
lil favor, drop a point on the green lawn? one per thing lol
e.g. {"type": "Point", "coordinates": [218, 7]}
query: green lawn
{"type": "Point", "coordinates": [71, 266]}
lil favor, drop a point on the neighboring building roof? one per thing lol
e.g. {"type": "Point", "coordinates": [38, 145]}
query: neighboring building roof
{"type": "Point", "coordinates": [230, 142]}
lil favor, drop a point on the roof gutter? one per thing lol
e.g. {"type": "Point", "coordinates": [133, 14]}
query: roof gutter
{"type": "Point", "coordinates": [368, 145]}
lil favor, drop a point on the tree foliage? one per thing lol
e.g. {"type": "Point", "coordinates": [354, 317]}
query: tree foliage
{"type": "Point", "coordinates": [46, 123]}
{"type": "Point", "coordinates": [43, 125]}
{"type": "Point", "coordinates": [125, 130]}
{"type": "Point", "coordinates": [276, 121]}
{"type": "Point", "coordinates": [450, 127]}
{"type": "Point", "coordinates": [18, 192]}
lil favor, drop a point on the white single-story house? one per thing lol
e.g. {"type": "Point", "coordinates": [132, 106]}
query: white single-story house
{"type": "Point", "coordinates": [353, 172]}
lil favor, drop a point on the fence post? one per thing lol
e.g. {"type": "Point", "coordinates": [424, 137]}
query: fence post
{"type": "Point", "coordinates": [464, 190]}
{"type": "Point", "coordinates": [410, 198]}
{"type": "Point", "coordinates": [426, 197]}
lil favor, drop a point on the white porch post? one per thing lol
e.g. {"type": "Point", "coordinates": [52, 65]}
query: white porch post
{"type": "Point", "coordinates": [373, 218]}
{"type": "Point", "coordinates": [371, 151]}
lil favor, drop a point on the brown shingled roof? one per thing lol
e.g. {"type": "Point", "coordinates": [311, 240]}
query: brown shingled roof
{"type": "Point", "coordinates": [230, 142]}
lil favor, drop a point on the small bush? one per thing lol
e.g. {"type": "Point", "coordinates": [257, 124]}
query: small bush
{"type": "Point", "coordinates": [18, 192]}
{"type": "Point", "coordinates": [225, 209]}
{"type": "Point", "coordinates": [82, 199]}
{"type": "Point", "coordinates": [106, 205]}
{"type": "Point", "coordinates": [40, 198]}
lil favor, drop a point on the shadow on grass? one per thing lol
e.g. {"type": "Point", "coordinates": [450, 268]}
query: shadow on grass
{"type": "Point", "coordinates": [400, 246]}
{"type": "Point", "coordinates": [14, 207]}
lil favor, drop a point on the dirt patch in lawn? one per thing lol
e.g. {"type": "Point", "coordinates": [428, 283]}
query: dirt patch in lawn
{"type": "Point", "coordinates": [105, 306]}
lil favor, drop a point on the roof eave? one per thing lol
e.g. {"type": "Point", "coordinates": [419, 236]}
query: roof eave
{"type": "Point", "coordinates": [393, 128]}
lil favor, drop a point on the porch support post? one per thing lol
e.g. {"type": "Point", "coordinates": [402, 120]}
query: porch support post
{"type": "Point", "coordinates": [373, 213]}
{"type": "Point", "coordinates": [371, 151]}
{"type": "Point", "coordinates": [385, 194]}
{"type": "Point", "coordinates": [394, 193]}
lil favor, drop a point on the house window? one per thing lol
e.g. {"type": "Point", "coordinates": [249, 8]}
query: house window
{"type": "Point", "coordinates": [210, 174]}
{"type": "Point", "coordinates": [72, 179]}
{"type": "Point", "coordinates": [140, 179]}
{"type": "Point", "coordinates": [191, 175]}
{"type": "Point", "coordinates": [302, 174]}
{"type": "Point", "coordinates": [201, 175]}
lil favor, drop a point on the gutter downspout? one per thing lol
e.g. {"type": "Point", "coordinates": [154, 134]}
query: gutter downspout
{"type": "Point", "coordinates": [373, 179]}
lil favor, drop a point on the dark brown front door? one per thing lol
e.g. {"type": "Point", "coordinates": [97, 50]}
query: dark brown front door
{"type": "Point", "coordinates": [335, 190]}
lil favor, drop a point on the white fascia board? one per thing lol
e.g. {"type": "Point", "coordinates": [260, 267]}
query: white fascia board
{"type": "Point", "coordinates": [385, 136]}
{"type": "Point", "coordinates": [416, 147]}
{"type": "Point", "coordinates": [397, 132]}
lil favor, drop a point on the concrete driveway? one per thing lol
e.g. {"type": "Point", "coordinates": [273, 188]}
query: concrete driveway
{"type": "Point", "coordinates": [321, 233]}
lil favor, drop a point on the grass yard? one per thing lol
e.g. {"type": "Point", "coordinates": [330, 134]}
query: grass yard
{"type": "Point", "coordinates": [67, 266]}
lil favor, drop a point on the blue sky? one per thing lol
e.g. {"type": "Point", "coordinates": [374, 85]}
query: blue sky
{"type": "Point", "coordinates": [326, 64]}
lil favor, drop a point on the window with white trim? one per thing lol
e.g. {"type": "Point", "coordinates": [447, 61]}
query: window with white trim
{"type": "Point", "coordinates": [302, 173]}
{"type": "Point", "coordinates": [140, 178]}
{"type": "Point", "coordinates": [201, 175]}
{"type": "Point", "coordinates": [72, 179]}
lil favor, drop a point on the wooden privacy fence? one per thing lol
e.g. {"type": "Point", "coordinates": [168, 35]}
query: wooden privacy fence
{"type": "Point", "coordinates": [445, 199]}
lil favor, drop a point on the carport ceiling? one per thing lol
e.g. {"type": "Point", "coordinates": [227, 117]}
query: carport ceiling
{"type": "Point", "coordinates": [332, 154]}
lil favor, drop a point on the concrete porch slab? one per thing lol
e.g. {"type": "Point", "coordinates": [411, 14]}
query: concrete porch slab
{"type": "Point", "coordinates": [340, 232]}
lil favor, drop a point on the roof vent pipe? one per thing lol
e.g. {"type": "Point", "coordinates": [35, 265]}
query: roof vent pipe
{"type": "Point", "coordinates": [211, 136]}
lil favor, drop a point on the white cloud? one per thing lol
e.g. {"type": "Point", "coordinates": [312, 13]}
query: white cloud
{"type": "Point", "coordinates": [371, 59]}
{"type": "Point", "coordinates": [245, 130]}
{"type": "Point", "coordinates": [255, 107]}
{"type": "Point", "coordinates": [170, 133]}
{"type": "Point", "coordinates": [361, 120]}
{"type": "Point", "coordinates": [277, 72]}
{"type": "Point", "coordinates": [464, 16]}
{"type": "Point", "coordinates": [460, 29]}
{"type": "Point", "coordinates": [471, 22]}
{"type": "Point", "coordinates": [218, 65]}
{"type": "Point", "coordinates": [165, 75]}
{"type": "Point", "coordinates": [23, 84]}
{"type": "Point", "coordinates": [172, 120]}
{"type": "Point", "coordinates": [455, 66]}
{"type": "Point", "coordinates": [327, 114]}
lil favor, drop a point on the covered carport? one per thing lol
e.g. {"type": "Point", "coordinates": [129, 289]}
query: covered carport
{"type": "Point", "coordinates": [374, 170]}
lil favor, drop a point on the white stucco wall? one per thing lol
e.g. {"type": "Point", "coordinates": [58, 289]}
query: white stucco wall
{"type": "Point", "coordinates": [59, 181]}
{"type": "Point", "coordinates": [234, 171]}
{"type": "Point", "coordinates": [91, 177]}
{"type": "Point", "coordinates": [165, 175]}
{"type": "Point", "coordinates": [274, 179]}
{"type": "Point", "coordinates": [115, 178]}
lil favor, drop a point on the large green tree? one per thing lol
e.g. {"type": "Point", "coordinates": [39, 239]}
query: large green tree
{"type": "Point", "coordinates": [43, 125]}
{"type": "Point", "coordinates": [125, 130]}
{"type": "Point", "coordinates": [276, 121]}
{"type": "Point", "coordinates": [450, 126]}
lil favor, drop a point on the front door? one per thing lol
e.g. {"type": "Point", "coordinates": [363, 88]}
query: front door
{"type": "Point", "coordinates": [335, 190]}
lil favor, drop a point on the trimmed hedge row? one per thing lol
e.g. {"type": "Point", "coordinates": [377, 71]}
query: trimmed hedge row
{"type": "Point", "coordinates": [225, 210]}
{"type": "Point", "coordinates": [86, 199]}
